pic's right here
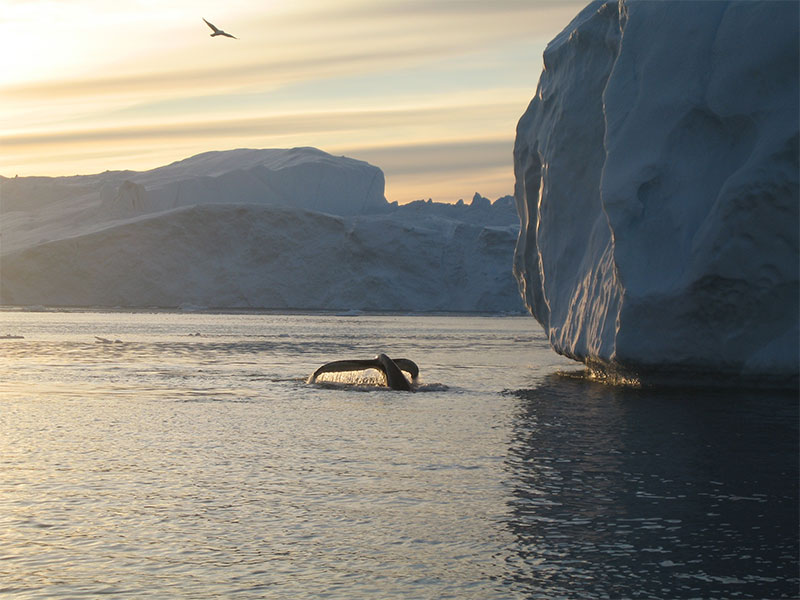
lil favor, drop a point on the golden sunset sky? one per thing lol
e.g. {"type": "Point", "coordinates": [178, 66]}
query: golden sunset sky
{"type": "Point", "coordinates": [430, 91]}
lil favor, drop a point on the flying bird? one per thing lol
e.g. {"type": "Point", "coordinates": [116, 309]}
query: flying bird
{"type": "Point", "coordinates": [219, 31]}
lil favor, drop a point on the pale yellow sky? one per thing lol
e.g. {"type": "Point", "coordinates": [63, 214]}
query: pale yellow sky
{"type": "Point", "coordinates": [430, 91]}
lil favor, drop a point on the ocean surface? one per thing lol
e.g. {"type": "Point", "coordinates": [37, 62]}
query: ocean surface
{"type": "Point", "coordinates": [183, 455]}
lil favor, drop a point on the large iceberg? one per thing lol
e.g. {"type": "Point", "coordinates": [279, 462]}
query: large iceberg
{"type": "Point", "coordinates": [299, 178]}
{"type": "Point", "coordinates": [275, 229]}
{"type": "Point", "coordinates": [657, 187]}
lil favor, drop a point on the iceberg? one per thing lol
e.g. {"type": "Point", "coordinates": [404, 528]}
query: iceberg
{"type": "Point", "coordinates": [305, 178]}
{"type": "Point", "coordinates": [656, 177]}
{"type": "Point", "coordinates": [251, 229]}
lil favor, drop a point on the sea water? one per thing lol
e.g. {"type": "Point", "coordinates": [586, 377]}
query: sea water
{"type": "Point", "coordinates": [183, 455]}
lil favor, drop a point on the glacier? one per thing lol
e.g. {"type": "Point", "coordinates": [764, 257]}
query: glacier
{"type": "Point", "coordinates": [295, 229]}
{"type": "Point", "coordinates": [656, 179]}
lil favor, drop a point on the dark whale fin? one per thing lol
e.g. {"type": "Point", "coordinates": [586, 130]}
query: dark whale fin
{"type": "Point", "coordinates": [394, 376]}
{"type": "Point", "coordinates": [409, 366]}
{"type": "Point", "coordinates": [392, 370]}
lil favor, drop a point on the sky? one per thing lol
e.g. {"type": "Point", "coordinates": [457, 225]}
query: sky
{"type": "Point", "coordinates": [430, 91]}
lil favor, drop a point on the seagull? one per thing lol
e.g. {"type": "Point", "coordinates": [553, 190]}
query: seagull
{"type": "Point", "coordinates": [219, 31]}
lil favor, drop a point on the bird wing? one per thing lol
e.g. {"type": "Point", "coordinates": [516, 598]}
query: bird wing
{"type": "Point", "coordinates": [213, 28]}
{"type": "Point", "coordinates": [229, 35]}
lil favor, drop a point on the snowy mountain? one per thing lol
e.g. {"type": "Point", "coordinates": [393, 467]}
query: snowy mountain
{"type": "Point", "coordinates": [279, 229]}
{"type": "Point", "coordinates": [657, 187]}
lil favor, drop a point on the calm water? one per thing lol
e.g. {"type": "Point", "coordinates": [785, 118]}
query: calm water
{"type": "Point", "coordinates": [178, 465]}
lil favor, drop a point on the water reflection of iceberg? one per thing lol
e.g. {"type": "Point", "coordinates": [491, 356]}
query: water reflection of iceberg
{"type": "Point", "coordinates": [676, 493]}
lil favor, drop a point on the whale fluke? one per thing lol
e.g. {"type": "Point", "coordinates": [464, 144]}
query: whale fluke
{"type": "Point", "coordinates": [392, 370]}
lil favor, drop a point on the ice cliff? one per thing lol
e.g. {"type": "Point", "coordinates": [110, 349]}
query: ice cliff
{"type": "Point", "coordinates": [657, 187]}
{"type": "Point", "coordinates": [276, 229]}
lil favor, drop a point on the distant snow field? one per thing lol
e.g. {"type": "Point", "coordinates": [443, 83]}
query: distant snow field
{"type": "Point", "coordinates": [272, 229]}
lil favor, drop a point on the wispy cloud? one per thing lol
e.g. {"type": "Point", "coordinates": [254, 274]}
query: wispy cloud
{"type": "Point", "coordinates": [265, 73]}
{"type": "Point", "coordinates": [274, 125]}
{"type": "Point", "coordinates": [435, 169]}
{"type": "Point", "coordinates": [445, 157]}
{"type": "Point", "coordinates": [411, 84]}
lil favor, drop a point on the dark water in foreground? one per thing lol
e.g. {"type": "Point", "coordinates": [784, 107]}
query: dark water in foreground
{"type": "Point", "coordinates": [634, 493]}
{"type": "Point", "coordinates": [191, 460]}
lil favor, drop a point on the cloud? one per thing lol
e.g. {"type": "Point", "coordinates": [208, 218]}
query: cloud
{"type": "Point", "coordinates": [454, 156]}
{"type": "Point", "coordinates": [313, 42]}
{"type": "Point", "coordinates": [548, 13]}
{"type": "Point", "coordinates": [443, 170]}
{"type": "Point", "coordinates": [281, 124]}
{"type": "Point", "coordinates": [165, 83]}
{"type": "Point", "coordinates": [427, 90]}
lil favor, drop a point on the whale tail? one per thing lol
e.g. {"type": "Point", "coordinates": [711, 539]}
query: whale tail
{"type": "Point", "coordinates": [392, 370]}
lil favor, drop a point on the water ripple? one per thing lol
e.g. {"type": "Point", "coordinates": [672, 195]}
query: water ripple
{"type": "Point", "coordinates": [203, 466]}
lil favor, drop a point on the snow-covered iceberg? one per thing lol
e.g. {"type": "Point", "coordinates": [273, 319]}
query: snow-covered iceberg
{"type": "Point", "coordinates": [276, 229]}
{"type": "Point", "coordinates": [657, 187]}
{"type": "Point", "coordinates": [305, 178]}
